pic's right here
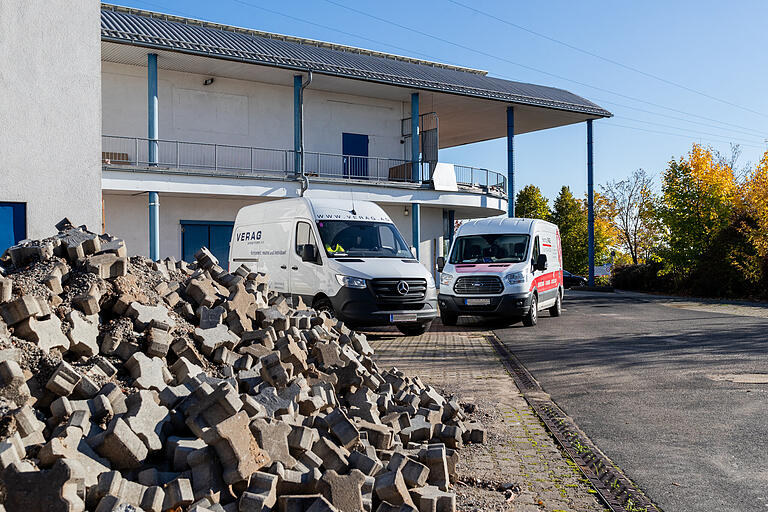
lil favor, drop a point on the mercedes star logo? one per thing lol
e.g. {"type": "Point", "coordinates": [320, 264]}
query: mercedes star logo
{"type": "Point", "coordinates": [402, 287]}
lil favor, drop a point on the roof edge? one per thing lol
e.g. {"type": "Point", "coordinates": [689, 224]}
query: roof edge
{"type": "Point", "coordinates": [284, 37]}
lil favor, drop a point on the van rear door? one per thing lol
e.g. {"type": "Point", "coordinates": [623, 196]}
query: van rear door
{"type": "Point", "coordinates": [303, 275]}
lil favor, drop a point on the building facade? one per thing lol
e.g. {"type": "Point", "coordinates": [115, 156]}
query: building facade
{"type": "Point", "coordinates": [199, 119]}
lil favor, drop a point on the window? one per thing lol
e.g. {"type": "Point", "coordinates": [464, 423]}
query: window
{"type": "Point", "coordinates": [491, 248]}
{"type": "Point", "coordinates": [536, 251]}
{"type": "Point", "coordinates": [362, 239]}
{"type": "Point", "coordinates": [13, 224]}
{"type": "Point", "coordinates": [304, 236]}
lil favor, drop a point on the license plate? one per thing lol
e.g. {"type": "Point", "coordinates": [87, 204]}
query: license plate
{"type": "Point", "coordinates": [403, 317]}
{"type": "Point", "coordinates": [477, 302]}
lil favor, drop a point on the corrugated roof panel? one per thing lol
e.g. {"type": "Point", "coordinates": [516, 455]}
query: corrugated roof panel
{"type": "Point", "coordinates": [128, 26]}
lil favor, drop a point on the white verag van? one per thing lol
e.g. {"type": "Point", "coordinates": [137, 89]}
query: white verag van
{"type": "Point", "coordinates": [502, 267]}
{"type": "Point", "coordinates": [339, 255]}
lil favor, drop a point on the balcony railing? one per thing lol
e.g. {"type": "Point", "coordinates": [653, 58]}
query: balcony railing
{"type": "Point", "coordinates": [229, 160]}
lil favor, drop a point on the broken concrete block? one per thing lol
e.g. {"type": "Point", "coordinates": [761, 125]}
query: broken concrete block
{"type": "Point", "coordinates": [148, 373]}
{"type": "Point", "coordinates": [59, 489]}
{"type": "Point", "coordinates": [146, 417]}
{"type": "Point", "coordinates": [205, 258]}
{"type": "Point", "coordinates": [434, 457]}
{"type": "Point", "coordinates": [123, 448]}
{"type": "Point", "coordinates": [6, 289]}
{"type": "Point", "coordinates": [302, 438]}
{"type": "Point", "coordinates": [71, 445]}
{"type": "Point", "coordinates": [11, 451]}
{"type": "Point", "coordinates": [46, 333]}
{"type": "Point", "coordinates": [333, 456]}
{"type": "Point", "coordinates": [202, 291]}
{"type": "Point", "coordinates": [205, 471]}
{"type": "Point", "coordinates": [63, 380]}
{"type": "Point", "coordinates": [178, 493]}
{"type": "Point", "coordinates": [343, 491]}
{"type": "Point", "coordinates": [83, 334]}
{"type": "Point", "coordinates": [433, 499]}
{"type": "Point", "coordinates": [273, 371]}
{"type": "Point", "coordinates": [150, 316]}
{"type": "Point", "coordinates": [158, 342]}
{"type": "Point", "coordinates": [261, 494]}
{"type": "Point", "coordinates": [273, 437]}
{"type": "Point", "coordinates": [13, 385]}
{"type": "Point", "coordinates": [238, 451]}
{"type": "Point", "coordinates": [107, 265]}
{"type": "Point", "coordinates": [390, 487]}
{"type": "Point", "coordinates": [342, 428]}
{"type": "Point", "coordinates": [273, 403]}
{"type": "Point", "coordinates": [211, 339]}
{"type": "Point", "coordinates": [210, 406]}
{"type": "Point", "coordinates": [367, 465]}
{"type": "Point", "coordinates": [211, 317]}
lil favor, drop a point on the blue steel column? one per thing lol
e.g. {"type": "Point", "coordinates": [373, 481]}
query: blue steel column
{"type": "Point", "coordinates": [451, 224]}
{"type": "Point", "coordinates": [510, 162]}
{"type": "Point", "coordinates": [590, 205]}
{"type": "Point", "coordinates": [152, 134]}
{"type": "Point", "coordinates": [297, 114]}
{"type": "Point", "coordinates": [415, 169]}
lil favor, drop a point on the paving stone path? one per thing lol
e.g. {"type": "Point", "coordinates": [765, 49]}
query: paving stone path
{"type": "Point", "coordinates": [518, 455]}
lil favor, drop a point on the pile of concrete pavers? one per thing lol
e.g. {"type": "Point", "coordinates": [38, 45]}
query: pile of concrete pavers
{"type": "Point", "coordinates": [133, 385]}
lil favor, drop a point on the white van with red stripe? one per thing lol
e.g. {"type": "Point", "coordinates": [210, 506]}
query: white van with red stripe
{"type": "Point", "coordinates": [504, 268]}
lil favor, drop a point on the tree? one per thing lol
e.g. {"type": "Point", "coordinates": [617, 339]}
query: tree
{"type": "Point", "coordinates": [531, 203]}
{"type": "Point", "coordinates": [570, 216]}
{"type": "Point", "coordinates": [696, 206]}
{"type": "Point", "coordinates": [632, 216]}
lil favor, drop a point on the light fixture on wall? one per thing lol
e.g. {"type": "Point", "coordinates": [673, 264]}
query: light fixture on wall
{"type": "Point", "coordinates": [406, 212]}
{"type": "Point", "coordinates": [208, 81]}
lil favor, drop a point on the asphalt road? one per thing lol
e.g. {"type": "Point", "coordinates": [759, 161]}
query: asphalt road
{"type": "Point", "coordinates": [652, 384]}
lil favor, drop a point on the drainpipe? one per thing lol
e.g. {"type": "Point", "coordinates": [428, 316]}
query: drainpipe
{"type": "Point", "coordinates": [415, 170]}
{"type": "Point", "coordinates": [298, 128]}
{"type": "Point", "coordinates": [510, 162]}
{"type": "Point", "coordinates": [152, 133]}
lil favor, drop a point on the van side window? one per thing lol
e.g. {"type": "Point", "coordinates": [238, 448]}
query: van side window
{"type": "Point", "coordinates": [536, 251]}
{"type": "Point", "coordinates": [387, 238]}
{"type": "Point", "coordinates": [304, 236]}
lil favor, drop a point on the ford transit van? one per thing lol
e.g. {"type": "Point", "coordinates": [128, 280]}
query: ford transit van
{"type": "Point", "coordinates": [502, 267]}
{"type": "Point", "coordinates": [341, 256]}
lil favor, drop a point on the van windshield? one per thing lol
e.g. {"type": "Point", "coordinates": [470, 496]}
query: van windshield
{"type": "Point", "coordinates": [495, 248]}
{"type": "Point", "coordinates": [362, 239]}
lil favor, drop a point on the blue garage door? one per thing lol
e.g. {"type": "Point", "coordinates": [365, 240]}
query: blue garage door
{"type": "Point", "coordinates": [13, 224]}
{"type": "Point", "coordinates": [213, 235]}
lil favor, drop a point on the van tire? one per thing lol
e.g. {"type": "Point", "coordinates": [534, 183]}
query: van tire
{"type": "Point", "coordinates": [321, 305]}
{"type": "Point", "coordinates": [532, 316]}
{"type": "Point", "coordinates": [414, 329]}
{"type": "Point", "coordinates": [557, 308]}
{"type": "Point", "coordinates": [448, 318]}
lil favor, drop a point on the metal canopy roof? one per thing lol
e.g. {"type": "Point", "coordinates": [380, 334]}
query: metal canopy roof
{"type": "Point", "coordinates": [164, 32]}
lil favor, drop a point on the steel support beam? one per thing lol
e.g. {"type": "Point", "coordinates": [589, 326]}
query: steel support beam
{"type": "Point", "coordinates": [415, 169]}
{"type": "Point", "coordinates": [451, 224]}
{"type": "Point", "coordinates": [152, 135]}
{"type": "Point", "coordinates": [510, 161]}
{"type": "Point", "coordinates": [590, 205]}
{"type": "Point", "coordinates": [298, 106]}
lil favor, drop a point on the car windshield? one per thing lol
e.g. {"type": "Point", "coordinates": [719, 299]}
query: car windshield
{"type": "Point", "coordinates": [495, 248]}
{"type": "Point", "coordinates": [362, 239]}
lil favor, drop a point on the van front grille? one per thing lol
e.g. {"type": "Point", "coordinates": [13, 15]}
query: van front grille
{"type": "Point", "coordinates": [390, 290]}
{"type": "Point", "coordinates": [478, 285]}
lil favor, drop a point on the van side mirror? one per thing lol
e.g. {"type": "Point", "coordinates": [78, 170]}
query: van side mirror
{"type": "Point", "coordinates": [541, 262]}
{"type": "Point", "coordinates": [440, 264]}
{"type": "Point", "coordinates": [309, 253]}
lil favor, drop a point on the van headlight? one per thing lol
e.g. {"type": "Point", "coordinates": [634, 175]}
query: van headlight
{"type": "Point", "coordinates": [351, 282]}
{"type": "Point", "coordinates": [445, 279]}
{"type": "Point", "coordinates": [516, 277]}
{"type": "Point", "coordinates": [430, 281]}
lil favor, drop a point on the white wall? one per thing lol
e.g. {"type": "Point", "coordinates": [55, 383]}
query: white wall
{"type": "Point", "coordinates": [50, 115]}
{"type": "Point", "coordinates": [244, 113]}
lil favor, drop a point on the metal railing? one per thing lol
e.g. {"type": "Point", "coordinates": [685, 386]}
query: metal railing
{"type": "Point", "coordinates": [492, 182]}
{"type": "Point", "coordinates": [225, 159]}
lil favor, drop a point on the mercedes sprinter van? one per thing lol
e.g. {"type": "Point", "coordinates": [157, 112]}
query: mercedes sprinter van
{"type": "Point", "coordinates": [342, 256]}
{"type": "Point", "coordinates": [502, 267]}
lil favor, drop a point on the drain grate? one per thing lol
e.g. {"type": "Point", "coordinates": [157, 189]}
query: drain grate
{"type": "Point", "coordinates": [617, 491]}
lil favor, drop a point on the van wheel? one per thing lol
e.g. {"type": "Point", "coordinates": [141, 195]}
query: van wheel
{"type": "Point", "coordinates": [448, 318]}
{"type": "Point", "coordinates": [414, 329]}
{"type": "Point", "coordinates": [532, 316]}
{"type": "Point", "coordinates": [557, 308]}
{"type": "Point", "coordinates": [324, 305]}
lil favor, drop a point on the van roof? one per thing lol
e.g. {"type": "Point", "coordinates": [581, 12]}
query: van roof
{"type": "Point", "coordinates": [329, 209]}
{"type": "Point", "coordinates": [501, 224]}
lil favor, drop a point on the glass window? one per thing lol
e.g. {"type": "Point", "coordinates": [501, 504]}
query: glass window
{"type": "Point", "coordinates": [362, 239]}
{"type": "Point", "coordinates": [536, 250]}
{"type": "Point", "coordinates": [304, 236]}
{"type": "Point", "coordinates": [492, 248]}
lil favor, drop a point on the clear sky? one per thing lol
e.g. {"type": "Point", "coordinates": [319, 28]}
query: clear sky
{"type": "Point", "coordinates": [715, 48]}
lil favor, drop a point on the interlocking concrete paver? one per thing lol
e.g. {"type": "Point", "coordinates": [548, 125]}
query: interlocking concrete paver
{"type": "Point", "coordinates": [518, 450]}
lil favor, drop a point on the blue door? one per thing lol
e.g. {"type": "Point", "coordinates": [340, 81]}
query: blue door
{"type": "Point", "coordinates": [13, 224]}
{"type": "Point", "coordinates": [354, 147]}
{"type": "Point", "coordinates": [211, 234]}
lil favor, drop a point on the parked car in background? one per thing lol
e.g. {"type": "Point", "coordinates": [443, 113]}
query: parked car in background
{"type": "Point", "coordinates": [571, 280]}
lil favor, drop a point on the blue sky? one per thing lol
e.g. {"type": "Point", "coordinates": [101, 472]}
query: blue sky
{"type": "Point", "coordinates": [715, 48]}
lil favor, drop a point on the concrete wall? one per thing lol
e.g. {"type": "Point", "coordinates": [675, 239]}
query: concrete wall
{"type": "Point", "coordinates": [50, 111]}
{"type": "Point", "coordinates": [244, 113]}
